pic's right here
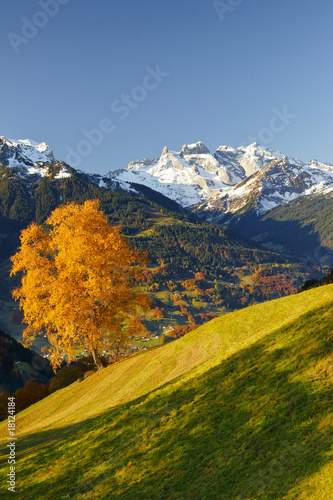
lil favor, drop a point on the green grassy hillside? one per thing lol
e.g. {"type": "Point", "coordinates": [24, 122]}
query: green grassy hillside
{"type": "Point", "coordinates": [240, 408]}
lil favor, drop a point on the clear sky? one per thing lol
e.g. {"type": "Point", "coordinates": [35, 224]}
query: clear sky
{"type": "Point", "coordinates": [152, 73]}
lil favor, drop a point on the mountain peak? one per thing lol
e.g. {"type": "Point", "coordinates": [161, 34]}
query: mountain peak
{"type": "Point", "coordinates": [233, 175]}
{"type": "Point", "coordinates": [30, 158]}
{"type": "Point", "coordinates": [195, 149]}
{"type": "Point", "coordinates": [41, 147]}
{"type": "Point", "coordinates": [23, 152]}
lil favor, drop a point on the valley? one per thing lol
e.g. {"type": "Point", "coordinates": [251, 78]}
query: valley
{"type": "Point", "coordinates": [197, 270]}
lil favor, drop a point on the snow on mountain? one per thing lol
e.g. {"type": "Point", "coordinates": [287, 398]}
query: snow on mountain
{"type": "Point", "coordinates": [29, 157]}
{"type": "Point", "coordinates": [15, 153]}
{"type": "Point", "coordinates": [187, 177]}
{"type": "Point", "coordinates": [229, 180]}
{"type": "Point", "coordinates": [193, 174]}
{"type": "Point", "coordinates": [239, 163]}
{"type": "Point", "coordinates": [276, 183]}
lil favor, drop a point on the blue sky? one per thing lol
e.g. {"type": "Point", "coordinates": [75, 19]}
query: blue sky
{"type": "Point", "coordinates": [106, 82]}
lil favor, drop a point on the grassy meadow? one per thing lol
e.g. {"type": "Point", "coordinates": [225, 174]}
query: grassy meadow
{"type": "Point", "coordinates": [240, 408]}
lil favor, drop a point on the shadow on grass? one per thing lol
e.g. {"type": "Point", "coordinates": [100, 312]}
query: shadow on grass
{"type": "Point", "coordinates": [251, 428]}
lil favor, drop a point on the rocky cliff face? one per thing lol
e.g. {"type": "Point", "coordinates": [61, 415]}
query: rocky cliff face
{"type": "Point", "coordinates": [195, 149]}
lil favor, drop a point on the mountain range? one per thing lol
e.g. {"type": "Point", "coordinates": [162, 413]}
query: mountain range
{"type": "Point", "coordinates": [242, 188]}
{"type": "Point", "coordinates": [283, 203]}
{"type": "Point", "coordinates": [223, 182]}
{"type": "Point", "coordinates": [194, 175]}
{"type": "Point", "coordinates": [196, 268]}
{"type": "Point", "coordinates": [231, 177]}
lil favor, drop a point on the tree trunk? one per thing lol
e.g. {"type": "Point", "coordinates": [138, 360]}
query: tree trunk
{"type": "Point", "coordinates": [97, 360]}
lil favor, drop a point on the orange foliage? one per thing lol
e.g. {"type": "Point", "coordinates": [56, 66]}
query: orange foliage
{"type": "Point", "coordinates": [189, 284]}
{"type": "Point", "coordinates": [78, 281]}
{"type": "Point", "coordinates": [30, 394]}
{"type": "Point", "coordinates": [273, 283]}
{"type": "Point", "coordinates": [159, 313]}
{"type": "Point", "coordinates": [180, 331]}
{"type": "Point", "coordinates": [137, 328]}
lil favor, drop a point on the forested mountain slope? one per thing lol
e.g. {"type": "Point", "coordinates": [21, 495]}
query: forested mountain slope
{"type": "Point", "coordinates": [302, 228]}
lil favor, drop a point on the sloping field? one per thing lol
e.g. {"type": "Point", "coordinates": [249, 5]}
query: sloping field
{"type": "Point", "coordinates": [240, 408]}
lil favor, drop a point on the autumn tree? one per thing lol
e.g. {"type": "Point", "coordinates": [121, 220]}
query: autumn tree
{"type": "Point", "coordinates": [158, 312]}
{"type": "Point", "coordinates": [78, 282]}
{"type": "Point", "coordinates": [29, 394]}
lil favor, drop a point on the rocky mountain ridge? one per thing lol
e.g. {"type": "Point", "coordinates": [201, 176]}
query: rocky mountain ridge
{"type": "Point", "coordinates": [277, 183]}
{"type": "Point", "coordinates": [193, 174]}
{"type": "Point", "coordinates": [228, 180]}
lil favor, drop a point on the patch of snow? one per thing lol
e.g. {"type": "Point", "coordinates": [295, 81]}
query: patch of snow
{"type": "Point", "coordinates": [62, 174]}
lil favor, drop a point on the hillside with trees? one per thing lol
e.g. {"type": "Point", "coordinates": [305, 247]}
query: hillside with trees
{"type": "Point", "coordinates": [301, 228]}
{"type": "Point", "coordinates": [18, 364]}
{"type": "Point", "coordinates": [235, 272]}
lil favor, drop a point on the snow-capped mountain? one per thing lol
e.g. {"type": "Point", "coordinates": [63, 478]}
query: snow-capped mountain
{"type": "Point", "coordinates": [187, 177]}
{"type": "Point", "coordinates": [230, 179]}
{"type": "Point", "coordinates": [276, 183]}
{"type": "Point", "coordinates": [28, 158]}
{"type": "Point", "coordinates": [233, 186]}
{"type": "Point", "coordinates": [193, 174]}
